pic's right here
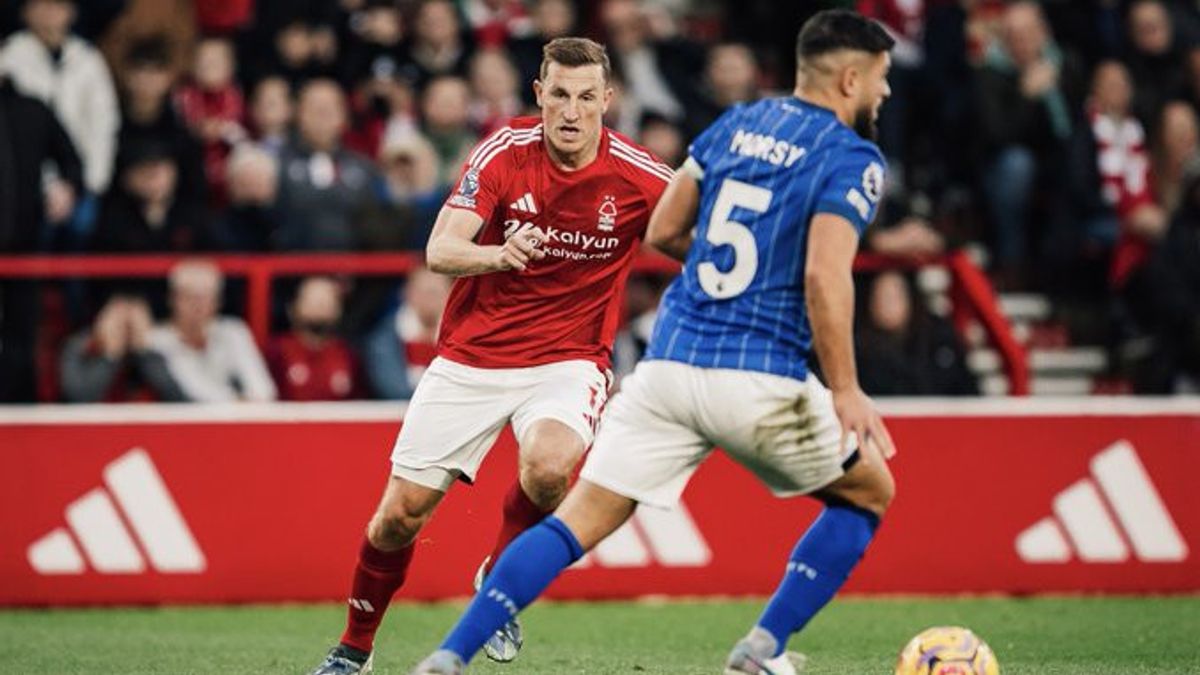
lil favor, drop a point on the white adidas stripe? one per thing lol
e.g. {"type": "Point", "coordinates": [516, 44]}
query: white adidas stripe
{"type": "Point", "coordinates": [514, 142]}
{"type": "Point", "coordinates": [140, 491]}
{"type": "Point", "coordinates": [648, 168]}
{"type": "Point", "coordinates": [95, 521]}
{"type": "Point", "coordinates": [637, 153]}
{"type": "Point", "coordinates": [498, 136]}
{"type": "Point", "coordinates": [667, 537]}
{"type": "Point", "coordinates": [1082, 523]}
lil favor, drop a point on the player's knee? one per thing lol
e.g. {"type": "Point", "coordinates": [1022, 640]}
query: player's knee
{"type": "Point", "coordinates": [396, 525]}
{"type": "Point", "coordinates": [878, 495]}
{"type": "Point", "coordinates": [546, 476]}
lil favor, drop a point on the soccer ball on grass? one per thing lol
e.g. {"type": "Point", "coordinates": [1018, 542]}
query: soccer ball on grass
{"type": "Point", "coordinates": [947, 650]}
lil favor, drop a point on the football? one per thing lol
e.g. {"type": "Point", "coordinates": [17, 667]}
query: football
{"type": "Point", "coordinates": [947, 650]}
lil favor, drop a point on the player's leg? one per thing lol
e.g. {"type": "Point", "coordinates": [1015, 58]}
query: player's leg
{"type": "Point", "coordinates": [643, 453]}
{"type": "Point", "coordinates": [800, 441]}
{"type": "Point", "coordinates": [453, 419]}
{"type": "Point", "coordinates": [554, 426]}
{"type": "Point", "coordinates": [527, 567]}
{"type": "Point", "coordinates": [549, 452]}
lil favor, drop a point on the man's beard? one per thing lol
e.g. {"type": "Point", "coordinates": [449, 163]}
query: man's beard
{"type": "Point", "coordinates": [864, 125]}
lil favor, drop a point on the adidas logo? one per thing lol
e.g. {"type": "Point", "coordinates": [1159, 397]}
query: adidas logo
{"type": "Point", "coordinates": [100, 521]}
{"type": "Point", "coordinates": [1100, 518]}
{"type": "Point", "coordinates": [667, 537]}
{"type": "Point", "coordinates": [525, 203]}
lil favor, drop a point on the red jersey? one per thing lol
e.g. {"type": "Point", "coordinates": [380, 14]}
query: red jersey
{"type": "Point", "coordinates": [565, 306]}
{"type": "Point", "coordinates": [304, 374]}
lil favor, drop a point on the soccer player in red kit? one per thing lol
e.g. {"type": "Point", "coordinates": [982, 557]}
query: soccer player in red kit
{"type": "Point", "coordinates": [540, 232]}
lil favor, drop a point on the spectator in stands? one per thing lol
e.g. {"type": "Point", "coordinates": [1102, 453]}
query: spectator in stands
{"type": "Point", "coordinates": [271, 110]}
{"type": "Point", "coordinates": [212, 358]}
{"type": "Point", "coordinates": [439, 46]}
{"type": "Point", "coordinates": [1168, 297]}
{"type": "Point", "coordinates": [112, 361]}
{"type": "Point", "coordinates": [625, 113]}
{"type": "Point", "coordinates": [903, 349]}
{"type": "Point", "coordinates": [404, 342]}
{"type": "Point", "coordinates": [141, 213]}
{"type": "Point", "coordinates": [496, 91]}
{"type": "Point", "coordinates": [311, 363]}
{"type": "Point", "coordinates": [1176, 142]}
{"type": "Point", "coordinates": [303, 50]}
{"type": "Point", "coordinates": [31, 139]}
{"type": "Point", "coordinates": [445, 114]}
{"type": "Point", "coordinates": [1026, 91]}
{"type": "Point", "coordinates": [1156, 60]}
{"type": "Point", "coordinates": [661, 72]}
{"type": "Point", "coordinates": [664, 139]}
{"type": "Point", "coordinates": [324, 189]}
{"type": "Point", "coordinates": [149, 116]}
{"type": "Point", "coordinates": [551, 19]}
{"type": "Point", "coordinates": [1110, 169]}
{"type": "Point", "coordinates": [68, 74]}
{"type": "Point", "coordinates": [912, 236]}
{"type": "Point", "coordinates": [494, 22]}
{"type": "Point", "coordinates": [213, 107]}
{"type": "Point", "coordinates": [373, 43]}
{"type": "Point", "coordinates": [731, 77]}
{"type": "Point", "coordinates": [415, 193]}
{"type": "Point", "coordinates": [250, 220]}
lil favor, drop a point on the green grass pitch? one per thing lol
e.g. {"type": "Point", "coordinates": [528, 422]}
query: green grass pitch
{"type": "Point", "coordinates": [1043, 636]}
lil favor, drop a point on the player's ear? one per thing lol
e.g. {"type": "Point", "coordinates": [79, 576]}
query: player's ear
{"type": "Point", "coordinates": [537, 92]}
{"type": "Point", "coordinates": [850, 81]}
{"type": "Point", "coordinates": [608, 94]}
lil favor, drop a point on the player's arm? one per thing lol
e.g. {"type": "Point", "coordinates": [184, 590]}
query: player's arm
{"type": "Point", "coordinates": [452, 249]}
{"type": "Point", "coordinates": [829, 292]}
{"type": "Point", "coordinates": [674, 218]}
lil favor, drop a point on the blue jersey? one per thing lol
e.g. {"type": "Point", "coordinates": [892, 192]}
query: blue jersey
{"type": "Point", "coordinates": [768, 168]}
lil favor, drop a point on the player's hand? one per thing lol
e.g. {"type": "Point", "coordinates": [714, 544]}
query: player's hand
{"type": "Point", "coordinates": [522, 247]}
{"type": "Point", "coordinates": [858, 416]}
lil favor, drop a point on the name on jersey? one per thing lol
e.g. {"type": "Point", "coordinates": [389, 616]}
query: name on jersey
{"type": "Point", "coordinates": [766, 148]}
{"type": "Point", "coordinates": [584, 243]}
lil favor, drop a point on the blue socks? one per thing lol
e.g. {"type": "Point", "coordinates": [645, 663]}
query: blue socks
{"type": "Point", "coordinates": [817, 568]}
{"type": "Point", "coordinates": [525, 569]}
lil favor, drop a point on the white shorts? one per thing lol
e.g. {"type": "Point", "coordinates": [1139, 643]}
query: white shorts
{"type": "Point", "coordinates": [458, 411]}
{"type": "Point", "coordinates": [668, 416]}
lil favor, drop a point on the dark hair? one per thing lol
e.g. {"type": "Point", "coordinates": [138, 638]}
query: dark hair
{"type": "Point", "coordinates": [837, 29]}
{"type": "Point", "coordinates": [573, 51]}
{"type": "Point", "coordinates": [152, 51]}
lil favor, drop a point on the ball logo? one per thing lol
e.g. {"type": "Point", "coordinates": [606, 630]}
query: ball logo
{"type": "Point", "coordinates": [608, 214]}
{"type": "Point", "coordinates": [872, 181]}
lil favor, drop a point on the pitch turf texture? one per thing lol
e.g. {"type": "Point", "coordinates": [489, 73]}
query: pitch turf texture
{"type": "Point", "coordinates": [1043, 636]}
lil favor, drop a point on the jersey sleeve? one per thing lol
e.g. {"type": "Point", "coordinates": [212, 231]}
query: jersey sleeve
{"type": "Point", "coordinates": [481, 181]}
{"type": "Point", "coordinates": [854, 186]}
{"type": "Point", "coordinates": [704, 148]}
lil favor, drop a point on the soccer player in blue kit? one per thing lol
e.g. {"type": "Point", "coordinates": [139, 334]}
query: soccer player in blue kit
{"type": "Point", "coordinates": [766, 213]}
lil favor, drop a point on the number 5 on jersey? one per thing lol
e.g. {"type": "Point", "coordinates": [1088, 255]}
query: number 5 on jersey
{"type": "Point", "coordinates": [723, 231]}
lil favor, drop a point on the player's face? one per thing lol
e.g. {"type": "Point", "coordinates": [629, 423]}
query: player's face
{"type": "Point", "coordinates": [874, 89]}
{"type": "Point", "coordinates": [573, 101]}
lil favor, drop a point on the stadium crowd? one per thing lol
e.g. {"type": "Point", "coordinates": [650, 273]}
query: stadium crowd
{"type": "Point", "coordinates": [1058, 138]}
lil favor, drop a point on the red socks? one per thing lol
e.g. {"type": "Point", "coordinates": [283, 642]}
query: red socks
{"type": "Point", "coordinates": [520, 514]}
{"type": "Point", "coordinates": [377, 577]}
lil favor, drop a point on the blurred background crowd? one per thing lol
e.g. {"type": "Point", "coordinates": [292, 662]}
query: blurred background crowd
{"type": "Point", "coordinates": [1056, 140]}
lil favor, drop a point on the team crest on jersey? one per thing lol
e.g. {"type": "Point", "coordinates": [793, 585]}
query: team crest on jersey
{"type": "Point", "coordinates": [608, 214]}
{"type": "Point", "coordinates": [467, 189]}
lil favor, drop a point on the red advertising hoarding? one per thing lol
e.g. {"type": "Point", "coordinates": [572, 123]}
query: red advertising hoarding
{"type": "Point", "coordinates": [128, 504]}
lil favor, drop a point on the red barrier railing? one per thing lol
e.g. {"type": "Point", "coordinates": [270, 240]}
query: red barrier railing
{"type": "Point", "coordinates": [971, 293]}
